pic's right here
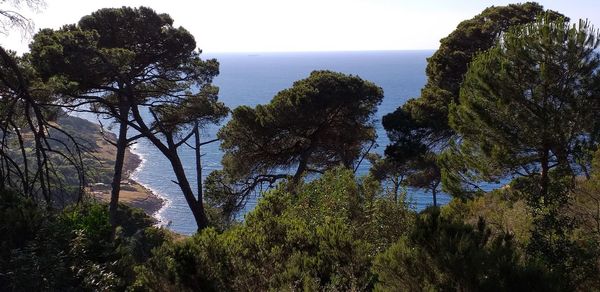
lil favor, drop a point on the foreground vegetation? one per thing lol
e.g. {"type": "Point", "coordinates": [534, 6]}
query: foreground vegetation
{"type": "Point", "coordinates": [512, 100]}
{"type": "Point", "coordinates": [338, 233]}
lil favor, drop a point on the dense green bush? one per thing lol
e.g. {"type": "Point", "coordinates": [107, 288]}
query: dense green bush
{"type": "Point", "coordinates": [338, 233]}
{"type": "Point", "coordinates": [323, 236]}
{"type": "Point", "coordinates": [446, 254]}
{"type": "Point", "coordinates": [73, 249]}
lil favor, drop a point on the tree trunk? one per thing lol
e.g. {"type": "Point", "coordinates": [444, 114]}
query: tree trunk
{"type": "Point", "coordinates": [302, 165]}
{"type": "Point", "coordinates": [299, 172]}
{"type": "Point", "coordinates": [585, 170]}
{"type": "Point", "coordinates": [170, 152]}
{"type": "Point", "coordinates": [198, 161]}
{"type": "Point", "coordinates": [434, 189]}
{"type": "Point", "coordinates": [544, 180]}
{"type": "Point", "coordinates": [119, 162]}
{"type": "Point", "coordinates": [396, 183]}
{"type": "Point", "coordinates": [197, 206]}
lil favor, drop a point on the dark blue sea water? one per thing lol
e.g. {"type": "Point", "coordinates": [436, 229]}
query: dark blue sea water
{"type": "Point", "coordinates": [250, 79]}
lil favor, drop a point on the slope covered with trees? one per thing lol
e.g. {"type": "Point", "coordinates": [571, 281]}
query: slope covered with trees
{"type": "Point", "coordinates": [513, 95]}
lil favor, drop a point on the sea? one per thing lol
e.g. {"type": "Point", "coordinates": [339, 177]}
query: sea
{"type": "Point", "coordinates": [254, 78]}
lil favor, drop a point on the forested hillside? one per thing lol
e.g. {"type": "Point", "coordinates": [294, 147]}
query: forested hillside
{"type": "Point", "coordinates": [512, 100]}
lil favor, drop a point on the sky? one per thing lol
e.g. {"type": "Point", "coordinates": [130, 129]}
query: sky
{"type": "Point", "coordinates": [300, 25]}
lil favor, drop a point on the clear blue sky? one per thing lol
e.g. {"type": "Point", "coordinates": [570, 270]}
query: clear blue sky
{"type": "Point", "coordinates": [303, 25]}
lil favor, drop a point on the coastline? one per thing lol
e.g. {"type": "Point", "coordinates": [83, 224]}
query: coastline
{"type": "Point", "coordinates": [157, 203]}
{"type": "Point", "coordinates": [132, 193]}
{"type": "Point", "coordinates": [136, 194]}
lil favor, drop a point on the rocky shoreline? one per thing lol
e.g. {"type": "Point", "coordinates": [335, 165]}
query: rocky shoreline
{"type": "Point", "coordinates": [132, 192]}
{"type": "Point", "coordinates": [138, 195]}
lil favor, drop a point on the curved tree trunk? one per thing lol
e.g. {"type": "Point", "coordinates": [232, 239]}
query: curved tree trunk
{"type": "Point", "coordinates": [170, 152]}
{"type": "Point", "coordinates": [196, 205]}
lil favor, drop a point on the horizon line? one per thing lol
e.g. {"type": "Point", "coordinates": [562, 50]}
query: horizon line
{"type": "Point", "coordinates": [315, 51]}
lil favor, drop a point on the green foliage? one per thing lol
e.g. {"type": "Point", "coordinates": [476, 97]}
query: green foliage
{"type": "Point", "coordinates": [321, 122]}
{"type": "Point", "coordinates": [117, 59]}
{"type": "Point", "coordinates": [446, 254]}
{"type": "Point", "coordinates": [89, 219]}
{"type": "Point", "coordinates": [448, 65]}
{"type": "Point", "coordinates": [194, 264]}
{"type": "Point", "coordinates": [21, 218]}
{"type": "Point", "coordinates": [222, 199]}
{"type": "Point", "coordinates": [419, 129]}
{"type": "Point", "coordinates": [112, 42]}
{"type": "Point", "coordinates": [71, 250]}
{"type": "Point", "coordinates": [202, 108]}
{"type": "Point", "coordinates": [324, 237]}
{"type": "Point", "coordinates": [530, 100]}
{"type": "Point", "coordinates": [424, 120]}
{"type": "Point", "coordinates": [528, 107]}
{"type": "Point", "coordinates": [121, 61]}
{"type": "Point", "coordinates": [586, 199]}
{"type": "Point", "coordinates": [556, 237]}
{"type": "Point", "coordinates": [584, 210]}
{"type": "Point", "coordinates": [464, 168]}
{"type": "Point", "coordinates": [504, 211]}
{"type": "Point", "coordinates": [334, 233]}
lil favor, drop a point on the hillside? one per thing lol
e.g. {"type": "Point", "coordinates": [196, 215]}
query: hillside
{"type": "Point", "coordinates": [101, 164]}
